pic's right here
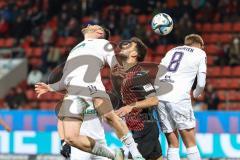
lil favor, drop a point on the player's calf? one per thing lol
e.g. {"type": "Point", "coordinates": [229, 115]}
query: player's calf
{"type": "Point", "coordinates": [173, 146]}
{"type": "Point", "coordinates": [188, 137]}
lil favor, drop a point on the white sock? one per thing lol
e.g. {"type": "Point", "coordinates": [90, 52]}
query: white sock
{"type": "Point", "coordinates": [193, 153]}
{"type": "Point", "coordinates": [173, 154]}
{"type": "Point", "coordinates": [101, 150]}
{"type": "Point", "coordinates": [131, 145]}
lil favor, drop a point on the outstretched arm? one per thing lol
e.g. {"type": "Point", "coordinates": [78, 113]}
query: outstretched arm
{"type": "Point", "coordinates": [146, 103]}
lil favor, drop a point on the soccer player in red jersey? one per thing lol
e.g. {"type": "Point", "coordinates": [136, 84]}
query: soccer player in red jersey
{"type": "Point", "coordinates": [138, 96]}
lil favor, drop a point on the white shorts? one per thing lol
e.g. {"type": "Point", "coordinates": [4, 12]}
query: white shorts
{"type": "Point", "coordinates": [176, 116]}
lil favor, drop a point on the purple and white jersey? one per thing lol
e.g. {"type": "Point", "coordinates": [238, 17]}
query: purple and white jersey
{"type": "Point", "coordinates": [183, 63]}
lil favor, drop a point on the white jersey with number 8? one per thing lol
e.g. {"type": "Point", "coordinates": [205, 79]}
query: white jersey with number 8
{"type": "Point", "coordinates": [183, 63]}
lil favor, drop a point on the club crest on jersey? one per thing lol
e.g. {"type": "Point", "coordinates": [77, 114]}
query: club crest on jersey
{"type": "Point", "coordinates": [148, 87]}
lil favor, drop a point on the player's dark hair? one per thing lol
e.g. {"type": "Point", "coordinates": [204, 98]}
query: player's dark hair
{"type": "Point", "coordinates": [107, 33]}
{"type": "Point", "coordinates": [141, 48]}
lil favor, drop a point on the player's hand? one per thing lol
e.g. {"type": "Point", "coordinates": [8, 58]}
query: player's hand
{"type": "Point", "coordinates": [42, 88]}
{"type": "Point", "coordinates": [118, 70]}
{"type": "Point", "coordinates": [124, 111]}
{"type": "Point", "coordinates": [65, 150]}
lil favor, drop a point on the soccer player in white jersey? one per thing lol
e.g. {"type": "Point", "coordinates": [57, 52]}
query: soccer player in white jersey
{"type": "Point", "coordinates": [182, 65]}
{"type": "Point", "coordinates": [81, 78]}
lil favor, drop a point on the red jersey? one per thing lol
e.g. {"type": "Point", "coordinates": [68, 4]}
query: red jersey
{"type": "Point", "coordinates": [136, 86]}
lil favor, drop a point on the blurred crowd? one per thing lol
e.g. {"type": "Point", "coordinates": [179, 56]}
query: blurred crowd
{"type": "Point", "coordinates": [39, 23]}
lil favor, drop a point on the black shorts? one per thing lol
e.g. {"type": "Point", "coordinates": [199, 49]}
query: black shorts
{"type": "Point", "coordinates": [148, 142]}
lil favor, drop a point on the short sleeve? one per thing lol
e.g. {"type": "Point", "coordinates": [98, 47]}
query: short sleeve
{"type": "Point", "coordinates": [109, 54]}
{"type": "Point", "coordinates": [164, 61]}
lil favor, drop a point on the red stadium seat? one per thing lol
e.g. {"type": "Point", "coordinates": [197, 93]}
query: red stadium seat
{"type": "Point", "coordinates": [232, 95]}
{"type": "Point", "coordinates": [225, 38]}
{"type": "Point", "coordinates": [214, 38]}
{"type": "Point", "coordinates": [238, 96]}
{"type": "Point", "coordinates": [227, 27]}
{"type": "Point", "coordinates": [161, 49]}
{"type": "Point", "coordinates": [236, 71]}
{"type": "Point", "coordinates": [207, 27]}
{"type": "Point", "coordinates": [236, 27]}
{"type": "Point", "coordinates": [226, 71]}
{"type": "Point", "coordinates": [9, 42]}
{"type": "Point", "coordinates": [222, 106]}
{"type": "Point", "coordinates": [234, 83]}
{"type": "Point", "coordinates": [233, 106]}
{"type": "Point", "coordinates": [222, 95]}
{"type": "Point", "coordinates": [205, 37]}
{"type": "Point", "coordinates": [211, 49]}
{"type": "Point", "coordinates": [2, 43]}
{"type": "Point", "coordinates": [217, 27]}
{"type": "Point", "coordinates": [210, 38]}
{"type": "Point", "coordinates": [223, 83]}
{"type": "Point", "coordinates": [210, 60]}
{"type": "Point", "coordinates": [229, 106]}
{"type": "Point", "coordinates": [214, 71]}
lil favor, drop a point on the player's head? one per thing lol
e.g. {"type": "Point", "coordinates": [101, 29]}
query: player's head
{"type": "Point", "coordinates": [95, 32]}
{"type": "Point", "coordinates": [194, 40]}
{"type": "Point", "coordinates": [134, 49]}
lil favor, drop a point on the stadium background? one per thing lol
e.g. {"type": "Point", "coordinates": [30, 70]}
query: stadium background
{"type": "Point", "coordinates": [37, 35]}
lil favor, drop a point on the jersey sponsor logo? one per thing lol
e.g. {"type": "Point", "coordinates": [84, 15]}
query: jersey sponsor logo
{"type": "Point", "coordinates": [148, 87]}
{"type": "Point", "coordinates": [167, 78]}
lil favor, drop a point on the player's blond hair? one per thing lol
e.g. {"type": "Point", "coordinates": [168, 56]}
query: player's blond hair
{"type": "Point", "coordinates": [193, 38]}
